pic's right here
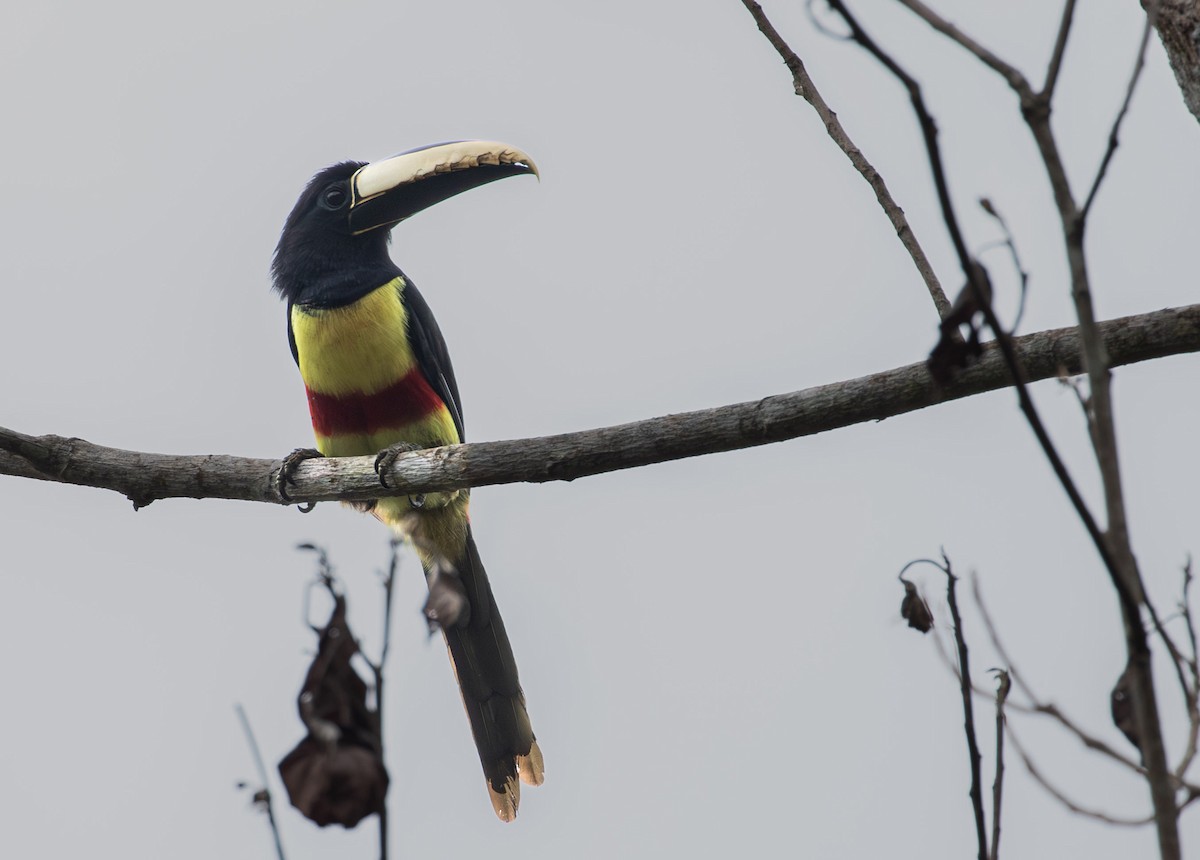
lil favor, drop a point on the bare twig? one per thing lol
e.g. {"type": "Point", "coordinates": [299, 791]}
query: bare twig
{"type": "Point", "coordinates": [1192, 695]}
{"type": "Point", "coordinates": [1003, 685]}
{"type": "Point", "coordinates": [964, 668]}
{"type": "Point", "coordinates": [388, 580]}
{"type": "Point", "coordinates": [1052, 711]}
{"type": "Point", "coordinates": [1178, 661]}
{"type": "Point", "coordinates": [939, 565]}
{"type": "Point", "coordinates": [1010, 243]}
{"type": "Point", "coordinates": [1075, 386]}
{"type": "Point", "coordinates": [961, 668]}
{"type": "Point", "coordinates": [324, 579]}
{"type": "Point", "coordinates": [1185, 607]}
{"type": "Point", "coordinates": [806, 89]}
{"type": "Point", "coordinates": [928, 130]}
{"type": "Point", "coordinates": [264, 795]}
{"type": "Point", "coordinates": [1090, 741]}
{"type": "Point", "coordinates": [1015, 79]}
{"type": "Point", "coordinates": [1036, 707]}
{"type": "Point", "coordinates": [1036, 704]}
{"type": "Point", "coordinates": [1060, 47]}
{"type": "Point", "coordinates": [1062, 798]}
{"type": "Point", "coordinates": [1111, 149]}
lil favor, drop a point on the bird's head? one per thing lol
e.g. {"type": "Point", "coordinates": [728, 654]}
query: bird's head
{"type": "Point", "coordinates": [333, 247]}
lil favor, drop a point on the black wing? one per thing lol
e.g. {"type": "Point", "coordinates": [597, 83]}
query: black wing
{"type": "Point", "coordinates": [292, 336]}
{"type": "Point", "coordinates": [432, 355]}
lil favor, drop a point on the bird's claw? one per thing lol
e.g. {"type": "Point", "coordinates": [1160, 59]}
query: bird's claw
{"type": "Point", "coordinates": [284, 476]}
{"type": "Point", "coordinates": [385, 458]}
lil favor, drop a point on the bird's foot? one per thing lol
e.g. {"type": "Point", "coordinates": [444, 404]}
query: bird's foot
{"type": "Point", "coordinates": [385, 458]}
{"type": "Point", "coordinates": [284, 476]}
{"type": "Point", "coordinates": [447, 605]}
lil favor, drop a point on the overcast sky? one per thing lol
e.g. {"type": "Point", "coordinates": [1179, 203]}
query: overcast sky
{"type": "Point", "coordinates": [711, 648]}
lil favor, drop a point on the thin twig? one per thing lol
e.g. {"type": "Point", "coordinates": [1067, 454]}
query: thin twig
{"type": "Point", "coordinates": [968, 712]}
{"type": "Point", "coordinates": [1037, 708]}
{"type": "Point", "coordinates": [1092, 742]}
{"type": "Point", "coordinates": [1003, 685]}
{"type": "Point", "coordinates": [1111, 149]}
{"type": "Point", "coordinates": [1192, 697]}
{"type": "Point", "coordinates": [324, 579]}
{"type": "Point", "coordinates": [1060, 47]}
{"type": "Point", "coordinates": [265, 793]}
{"type": "Point", "coordinates": [1011, 244]}
{"type": "Point", "coordinates": [388, 580]}
{"type": "Point", "coordinates": [806, 89]}
{"type": "Point", "coordinates": [1185, 606]}
{"type": "Point", "coordinates": [928, 130]}
{"type": "Point", "coordinates": [1043, 709]}
{"type": "Point", "coordinates": [1010, 73]}
{"type": "Point", "coordinates": [1062, 798]}
{"type": "Point", "coordinates": [1038, 705]}
{"type": "Point", "coordinates": [1178, 661]}
{"type": "Point", "coordinates": [1075, 386]}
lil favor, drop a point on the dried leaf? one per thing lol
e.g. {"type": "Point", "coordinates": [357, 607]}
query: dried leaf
{"type": "Point", "coordinates": [914, 609]}
{"type": "Point", "coordinates": [336, 775]}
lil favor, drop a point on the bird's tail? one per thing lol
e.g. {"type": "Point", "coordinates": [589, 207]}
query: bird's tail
{"type": "Point", "coordinates": [487, 677]}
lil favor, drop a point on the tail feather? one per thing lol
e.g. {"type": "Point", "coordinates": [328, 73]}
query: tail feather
{"type": "Point", "coordinates": [531, 768]}
{"type": "Point", "coordinates": [491, 691]}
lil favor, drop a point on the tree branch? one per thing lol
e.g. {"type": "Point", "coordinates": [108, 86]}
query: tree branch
{"type": "Point", "coordinates": [1113, 544]}
{"type": "Point", "coordinates": [1177, 25]}
{"type": "Point", "coordinates": [1010, 73]}
{"type": "Point", "coordinates": [145, 477]}
{"type": "Point", "coordinates": [807, 90]}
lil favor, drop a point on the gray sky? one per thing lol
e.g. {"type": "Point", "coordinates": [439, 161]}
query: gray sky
{"type": "Point", "coordinates": [711, 649]}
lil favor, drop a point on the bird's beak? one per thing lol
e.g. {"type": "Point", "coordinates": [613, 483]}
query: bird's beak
{"type": "Point", "coordinates": [388, 191]}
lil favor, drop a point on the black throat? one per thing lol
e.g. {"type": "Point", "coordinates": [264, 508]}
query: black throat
{"type": "Point", "coordinates": [331, 269]}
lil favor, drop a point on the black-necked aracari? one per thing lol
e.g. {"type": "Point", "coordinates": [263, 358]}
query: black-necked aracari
{"type": "Point", "coordinates": [379, 378]}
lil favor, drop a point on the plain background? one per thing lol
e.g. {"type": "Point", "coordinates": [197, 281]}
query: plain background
{"type": "Point", "coordinates": [711, 649]}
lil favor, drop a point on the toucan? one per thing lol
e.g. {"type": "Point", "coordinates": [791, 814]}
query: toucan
{"type": "Point", "coordinates": [379, 381]}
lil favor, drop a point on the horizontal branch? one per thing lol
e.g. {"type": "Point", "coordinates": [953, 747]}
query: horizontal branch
{"type": "Point", "coordinates": [146, 477]}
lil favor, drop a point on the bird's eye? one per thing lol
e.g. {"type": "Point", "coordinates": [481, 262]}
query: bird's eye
{"type": "Point", "coordinates": [334, 197]}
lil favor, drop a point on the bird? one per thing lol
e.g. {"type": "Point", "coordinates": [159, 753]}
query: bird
{"type": "Point", "coordinates": [379, 381]}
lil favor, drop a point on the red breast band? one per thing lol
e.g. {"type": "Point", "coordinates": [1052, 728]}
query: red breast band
{"type": "Point", "coordinates": [408, 399]}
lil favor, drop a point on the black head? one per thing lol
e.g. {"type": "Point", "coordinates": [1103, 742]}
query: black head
{"type": "Point", "coordinates": [333, 249]}
{"type": "Point", "coordinates": [319, 261]}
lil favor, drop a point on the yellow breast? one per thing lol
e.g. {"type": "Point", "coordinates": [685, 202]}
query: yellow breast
{"type": "Point", "coordinates": [359, 348]}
